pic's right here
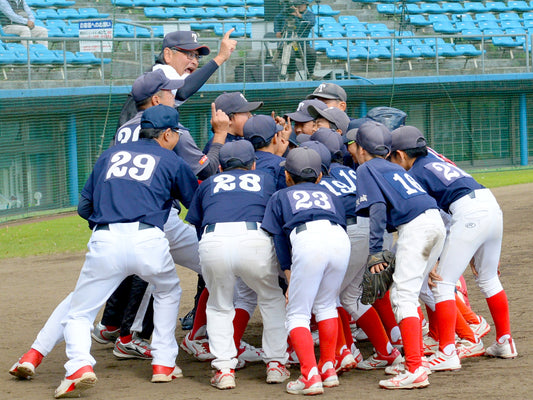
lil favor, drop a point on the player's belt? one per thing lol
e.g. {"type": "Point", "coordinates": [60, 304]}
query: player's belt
{"type": "Point", "coordinates": [351, 220]}
{"type": "Point", "coordinates": [303, 227]}
{"type": "Point", "coordinates": [105, 227]}
{"type": "Point", "coordinates": [251, 226]}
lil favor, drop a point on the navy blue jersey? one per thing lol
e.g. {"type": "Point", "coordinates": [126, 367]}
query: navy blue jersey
{"type": "Point", "coordinates": [341, 182]}
{"type": "Point", "coordinates": [129, 132]}
{"type": "Point", "coordinates": [229, 138]}
{"type": "Point", "coordinates": [380, 181]}
{"type": "Point", "coordinates": [443, 181]}
{"type": "Point", "coordinates": [269, 162]}
{"type": "Point", "coordinates": [301, 203]}
{"type": "Point", "coordinates": [137, 182]}
{"type": "Point", "coordinates": [232, 196]}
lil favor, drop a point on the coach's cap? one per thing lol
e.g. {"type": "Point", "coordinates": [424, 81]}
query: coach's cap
{"type": "Point", "coordinates": [235, 102]}
{"type": "Point", "coordinates": [185, 40]}
{"type": "Point", "coordinates": [322, 151]}
{"type": "Point", "coordinates": [303, 162]}
{"type": "Point", "coordinates": [329, 91]}
{"type": "Point", "coordinates": [407, 137]}
{"type": "Point", "coordinates": [374, 137]}
{"type": "Point", "coordinates": [260, 129]}
{"type": "Point", "coordinates": [391, 117]}
{"type": "Point", "coordinates": [331, 139]}
{"type": "Point", "coordinates": [302, 114]}
{"type": "Point", "coordinates": [236, 154]}
{"type": "Point", "coordinates": [150, 83]}
{"type": "Point", "coordinates": [334, 115]}
{"type": "Point", "coordinates": [160, 117]}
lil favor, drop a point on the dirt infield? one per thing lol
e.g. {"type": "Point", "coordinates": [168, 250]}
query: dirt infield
{"type": "Point", "coordinates": [33, 286]}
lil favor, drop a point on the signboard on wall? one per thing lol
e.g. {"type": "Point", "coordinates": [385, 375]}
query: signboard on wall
{"type": "Point", "coordinates": [97, 29]}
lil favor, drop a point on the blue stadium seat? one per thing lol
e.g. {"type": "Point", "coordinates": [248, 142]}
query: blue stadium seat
{"type": "Point", "coordinates": [445, 27]}
{"type": "Point", "coordinates": [326, 20]}
{"type": "Point", "coordinates": [389, 9]}
{"type": "Point", "coordinates": [47, 13]}
{"type": "Point", "coordinates": [196, 12]}
{"type": "Point", "coordinates": [71, 30]}
{"type": "Point", "coordinates": [468, 50]}
{"type": "Point", "coordinates": [403, 51]}
{"type": "Point", "coordinates": [356, 26]}
{"type": "Point", "coordinates": [462, 18]}
{"type": "Point", "coordinates": [379, 52]}
{"type": "Point", "coordinates": [122, 31]}
{"type": "Point", "coordinates": [323, 9]}
{"type": "Point", "coordinates": [518, 5]}
{"type": "Point", "coordinates": [470, 32]}
{"type": "Point", "coordinates": [378, 27]}
{"type": "Point", "coordinates": [509, 16]}
{"type": "Point", "coordinates": [348, 19]}
{"type": "Point", "coordinates": [485, 17]}
{"type": "Point", "coordinates": [411, 41]}
{"type": "Point", "coordinates": [355, 34]}
{"type": "Point", "coordinates": [123, 3]}
{"type": "Point", "coordinates": [465, 25]}
{"type": "Point", "coordinates": [446, 50]}
{"type": "Point", "coordinates": [452, 8]}
{"type": "Point", "coordinates": [336, 53]}
{"type": "Point", "coordinates": [91, 12]}
{"type": "Point", "coordinates": [438, 18]}
{"type": "Point", "coordinates": [510, 24]}
{"type": "Point", "coordinates": [255, 11]}
{"type": "Point", "coordinates": [157, 12]}
{"type": "Point", "coordinates": [496, 6]}
{"type": "Point", "coordinates": [434, 41]}
{"type": "Point", "coordinates": [10, 57]}
{"type": "Point", "coordinates": [365, 43]}
{"type": "Point", "coordinates": [418, 20]}
{"type": "Point", "coordinates": [327, 34]}
{"type": "Point", "coordinates": [55, 31]}
{"type": "Point", "coordinates": [332, 28]}
{"type": "Point", "coordinates": [491, 33]}
{"type": "Point", "coordinates": [236, 12]}
{"type": "Point", "coordinates": [58, 23]}
{"type": "Point", "coordinates": [485, 25]}
{"type": "Point", "coordinates": [39, 54]}
{"type": "Point", "coordinates": [68, 13]}
{"type": "Point", "coordinates": [321, 45]}
{"type": "Point", "coordinates": [424, 50]}
{"type": "Point", "coordinates": [430, 8]}
{"type": "Point", "coordinates": [527, 16]}
{"type": "Point", "coordinates": [474, 7]}
{"type": "Point", "coordinates": [177, 12]}
{"type": "Point", "coordinates": [413, 8]}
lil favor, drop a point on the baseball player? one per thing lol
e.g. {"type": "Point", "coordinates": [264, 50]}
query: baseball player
{"type": "Point", "coordinates": [304, 123]}
{"type": "Point", "coordinates": [269, 144]}
{"type": "Point", "coordinates": [126, 200]}
{"type": "Point", "coordinates": [308, 223]}
{"type": "Point", "coordinates": [330, 94]}
{"type": "Point", "coordinates": [228, 209]}
{"type": "Point", "coordinates": [475, 231]}
{"type": "Point", "coordinates": [389, 196]}
{"type": "Point", "coordinates": [341, 182]}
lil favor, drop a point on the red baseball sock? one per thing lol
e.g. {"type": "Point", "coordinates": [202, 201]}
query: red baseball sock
{"type": "Point", "coordinates": [328, 330]}
{"type": "Point", "coordinates": [433, 326]}
{"type": "Point", "coordinates": [303, 345]}
{"type": "Point", "coordinates": [499, 310]}
{"type": "Point", "coordinates": [462, 328]}
{"type": "Point", "coordinates": [410, 328]}
{"type": "Point", "coordinates": [200, 319]}
{"type": "Point", "coordinates": [240, 321]}
{"type": "Point", "coordinates": [345, 319]}
{"type": "Point", "coordinates": [370, 323]}
{"type": "Point", "coordinates": [469, 315]}
{"type": "Point", "coordinates": [33, 357]}
{"type": "Point", "coordinates": [384, 308]}
{"type": "Point", "coordinates": [446, 313]}
{"type": "Point", "coordinates": [340, 343]}
{"type": "Point", "coordinates": [127, 338]}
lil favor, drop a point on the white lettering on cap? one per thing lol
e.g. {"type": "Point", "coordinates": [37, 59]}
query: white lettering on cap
{"type": "Point", "coordinates": [321, 87]}
{"type": "Point", "coordinates": [244, 98]}
{"type": "Point", "coordinates": [194, 37]}
{"type": "Point", "coordinates": [300, 106]}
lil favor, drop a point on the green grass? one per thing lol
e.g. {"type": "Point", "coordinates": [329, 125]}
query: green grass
{"type": "Point", "coordinates": [60, 235]}
{"type": "Point", "coordinates": [71, 233]}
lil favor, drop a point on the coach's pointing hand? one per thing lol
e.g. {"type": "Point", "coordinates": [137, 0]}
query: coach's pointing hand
{"type": "Point", "coordinates": [227, 46]}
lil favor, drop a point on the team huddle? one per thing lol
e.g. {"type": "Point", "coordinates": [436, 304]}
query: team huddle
{"type": "Point", "coordinates": [290, 214]}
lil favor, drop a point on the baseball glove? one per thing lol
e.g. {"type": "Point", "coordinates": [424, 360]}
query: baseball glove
{"type": "Point", "coordinates": [376, 285]}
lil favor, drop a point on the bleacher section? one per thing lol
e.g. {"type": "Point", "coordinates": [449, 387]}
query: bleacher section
{"type": "Point", "coordinates": [357, 31]}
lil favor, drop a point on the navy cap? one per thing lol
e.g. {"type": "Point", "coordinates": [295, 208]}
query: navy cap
{"type": "Point", "coordinates": [329, 138]}
{"type": "Point", "coordinates": [329, 91]}
{"type": "Point", "coordinates": [235, 102]}
{"type": "Point", "coordinates": [374, 137]}
{"type": "Point", "coordinates": [260, 129]}
{"type": "Point", "coordinates": [150, 83]}
{"type": "Point", "coordinates": [356, 123]}
{"type": "Point", "coordinates": [236, 154]}
{"type": "Point", "coordinates": [303, 162]}
{"type": "Point", "coordinates": [302, 114]}
{"type": "Point", "coordinates": [333, 114]}
{"type": "Point", "coordinates": [350, 135]}
{"type": "Point", "coordinates": [407, 137]}
{"type": "Point", "coordinates": [160, 117]}
{"type": "Point", "coordinates": [322, 151]}
{"type": "Point", "coordinates": [391, 117]}
{"type": "Point", "coordinates": [303, 137]}
{"type": "Point", "coordinates": [185, 40]}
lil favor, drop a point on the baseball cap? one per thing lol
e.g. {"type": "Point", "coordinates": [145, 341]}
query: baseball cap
{"type": "Point", "coordinates": [303, 137]}
{"type": "Point", "coordinates": [302, 114]}
{"type": "Point", "coordinates": [329, 138]}
{"type": "Point", "coordinates": [407, 137]}
{"type": "Point", "coordinates": [303, 162]}
{"type": "Point", "coordinates": [235, 102]}
{"type": "Point", "coordinates": [150, 83]}
{"type": "Point", "coordinates": [260, 129]}
{"type": "Point", "coordinates": [374, 137]}
{"type": "Point", "coordinates": [236, 154]}
{"type": "Point", "coordinates": [322, 151]}
{"type": "Point", "coordinates": [391, 117]}
{"type": "Point", "coordinates": [160, 117]}
{"type": "Point", "coordinates": [185, 40]}
{"type": "Point", "coordinates": [333, 115]}
{"type": "Point", "coordinates": [328, 91]}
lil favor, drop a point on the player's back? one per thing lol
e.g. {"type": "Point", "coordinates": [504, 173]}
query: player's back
{"type": "Point", "coordinates": [341, 181]}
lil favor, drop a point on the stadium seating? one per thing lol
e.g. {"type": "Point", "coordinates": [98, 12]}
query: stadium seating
{"type": "Point", "coordinates": [323, 9]}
